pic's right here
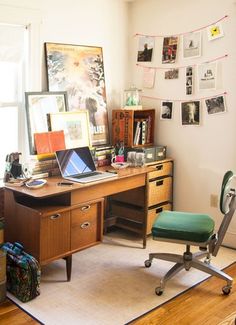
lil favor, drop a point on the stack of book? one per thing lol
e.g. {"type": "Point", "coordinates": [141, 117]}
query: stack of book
{"type": "Point", "coordinates": [43, 166]}
{"type": "Point", "coordinates": [142, 130]}
{"type": "Point", "coordinates": [102, 155]}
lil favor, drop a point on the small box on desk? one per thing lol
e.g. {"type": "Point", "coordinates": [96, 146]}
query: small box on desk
{"type": "Point", "coordinates": [152, 154]}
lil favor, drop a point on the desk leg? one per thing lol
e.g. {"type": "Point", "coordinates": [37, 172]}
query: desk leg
{"type": "Point", "coordinates": [68, 267]}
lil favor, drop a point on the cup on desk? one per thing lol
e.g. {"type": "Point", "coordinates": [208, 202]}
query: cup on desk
{"type": "Point", "coordinates": [118, 158]}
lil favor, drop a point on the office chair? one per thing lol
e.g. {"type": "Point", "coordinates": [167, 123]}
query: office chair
{"type": "Point", "coordinates": [196, 230]}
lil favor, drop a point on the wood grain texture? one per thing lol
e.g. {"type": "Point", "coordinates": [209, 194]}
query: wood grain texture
{"type": "Point", "coordinates": [203, 304]}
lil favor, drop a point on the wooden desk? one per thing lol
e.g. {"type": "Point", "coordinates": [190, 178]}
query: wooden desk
{"type": "Point", "coordinates": [56, 221]}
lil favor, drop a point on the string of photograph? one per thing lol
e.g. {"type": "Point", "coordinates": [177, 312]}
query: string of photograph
{"type": "Point", "coordinates": [191, 110]}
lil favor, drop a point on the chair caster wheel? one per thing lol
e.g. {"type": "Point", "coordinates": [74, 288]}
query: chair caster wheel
{"type": "Point", "coordinates": [147, 263]}
{"type": "Point", "coordinates": [159, 291]}
{"type": "Point", "coordinates": [226, 290]}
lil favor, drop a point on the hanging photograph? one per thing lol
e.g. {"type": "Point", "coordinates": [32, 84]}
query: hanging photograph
{"type": "Point", "coordinates": [190, 113]}
{"type": "Point", "coordinates": [79, 70]}
{"type": "Point", "coordinates": [148, 77]}
{"type": "Point", "coordinates": [75, 125]}
{"type": "Point", "coordinates": [189, 80]}
{"type": "Point", "coordinates": [191, 45]}
{"type": "Point", "coordinates": [215, 105]}
{"type": "Point", "coordinates": [169, 49]}
{"type": "Point", "coordinates": [207, 76]}
{"type": "Point", "coordinates": [172, 74]}
{"type": "Point", "coordinates": [215, 31]}
{"type": "Point", "coordinates": [38, 105]}
{"type": "Point", "coordinates": [166, 110]}
{"type": "Point", "coordinates": [145, 48]}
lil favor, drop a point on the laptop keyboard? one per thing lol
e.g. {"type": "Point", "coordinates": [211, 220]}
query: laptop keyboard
{"type": "Point", "coordinates": [87, 175]}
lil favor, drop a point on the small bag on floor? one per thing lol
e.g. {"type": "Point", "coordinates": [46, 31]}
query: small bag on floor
{"type": "Point", "coordinates": [23, 272]}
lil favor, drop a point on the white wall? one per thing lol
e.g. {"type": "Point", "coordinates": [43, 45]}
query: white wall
{"type": "Point", "coordinates": [202, 154]}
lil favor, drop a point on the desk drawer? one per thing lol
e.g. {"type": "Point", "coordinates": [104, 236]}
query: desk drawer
{"type": "Point", "coordinates": [163, 169]}
{"type": "Point", "coordinates": [159, 190]}
{"type": "Point", "coordinates": [153, 213]}
{"type": "Point", "coordinates": [86, 225]}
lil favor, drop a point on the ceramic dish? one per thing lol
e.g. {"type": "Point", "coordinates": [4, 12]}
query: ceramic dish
{"type": "Point", "coordinates": [119, 165]}
{"type": "Point", "coordinates": [36, 183]}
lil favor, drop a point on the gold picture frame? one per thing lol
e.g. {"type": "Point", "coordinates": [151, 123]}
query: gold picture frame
{"type": "Point", "coordinates": [75, 125]}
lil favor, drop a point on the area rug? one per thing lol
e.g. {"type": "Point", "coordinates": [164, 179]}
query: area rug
{"type": "Point", "coordinates": [110, 285]}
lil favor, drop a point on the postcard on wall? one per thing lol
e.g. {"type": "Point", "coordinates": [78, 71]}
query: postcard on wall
{"type": "Point", "coordinates": [148, 77]}
{"type": "Point", "coordinates": [190, 113]}
{"type": "Point", "coordinates": [215, 105]}
{"type": "Point", "coordinates": [145, 48]}
{"type": "Point", "coordinates": [191, 45]}
{"type": "Point", "coordinates": [215, 31]}
{"type": "Point", "coordinates": [189, 80]}
{"type": "Point", "coordinates": [172, 74]}
{"type": "Point", "coordinates": [169, 50]}
{"type": "Point", "coordinates": [166, 111]}
{"type": "Point", "coordinates": [79, 70]}
{"type": "Point", "coordinates": [207, 73]}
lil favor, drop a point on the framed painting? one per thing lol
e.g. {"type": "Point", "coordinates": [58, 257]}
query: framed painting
{"type": "Point", "coordinates": [79, 71]}
{"type": "Point", "coordinates": [75, 125]}
{"type": "Point", "coordinates": [38, 105]}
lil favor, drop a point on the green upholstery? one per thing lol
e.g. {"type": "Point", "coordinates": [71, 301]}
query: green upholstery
{"type": "Point", "coordinates": [192, 227]}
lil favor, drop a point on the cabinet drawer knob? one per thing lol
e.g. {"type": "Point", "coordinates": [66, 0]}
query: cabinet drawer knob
{"type": "Point", "coordinates": [159, 183]}
{"type": "Point", "coordinates": [159, 167]}
{"type": "Point", "coordinates": [86, 207]}
{"type": "Point", "coordinates": [85, 225]}
{"type": "Point", "coordinates": [158, 210]}
{"type": "Point", "coordinates": [55, 216]}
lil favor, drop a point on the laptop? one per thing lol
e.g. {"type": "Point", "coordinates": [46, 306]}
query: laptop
{"type": "Point", "coordinates": [77, 165]}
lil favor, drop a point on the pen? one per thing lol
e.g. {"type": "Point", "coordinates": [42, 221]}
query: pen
{"type": "Point", "coordinates": [111, 171]}
{"type": "Point", "coordinates": [64, 183]}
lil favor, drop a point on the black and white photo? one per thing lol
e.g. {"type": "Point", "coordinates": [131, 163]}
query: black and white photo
{"type": "Point", "coordinates": [207, 74]}
{"type": "Point", "coordinates": [192, 45]}
{"type": "Point", "coordinates": [189, 80]}
{"type": "Point", "coordinates": [215, 105]}
{"type": "Point", "coordinates": [172, 74]}
{"type": "Point", "coordinates": [190, 113]}
{"type": "Point", "coordinates": [145, 48]}
{"type": "Point", "coordinates": [166, 111]}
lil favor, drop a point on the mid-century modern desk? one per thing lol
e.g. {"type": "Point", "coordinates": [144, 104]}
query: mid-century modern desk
{"type": "Point", "coordinates": [56, 221]}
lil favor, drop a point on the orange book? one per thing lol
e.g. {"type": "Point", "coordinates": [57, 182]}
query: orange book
{"type": "Point", "coordinates": [49, 142]}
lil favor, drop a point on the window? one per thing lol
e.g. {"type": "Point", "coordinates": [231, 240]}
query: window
{"type": "Point", "coordinates": [13, 45]}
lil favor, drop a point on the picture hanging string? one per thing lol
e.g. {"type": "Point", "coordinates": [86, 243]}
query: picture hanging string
{"type": "Point", "coordinates": [183, 66]}
{"type": "Point", "coordinates": [183, 100]}
{"type": "Point", "coordinates": [179, 34]}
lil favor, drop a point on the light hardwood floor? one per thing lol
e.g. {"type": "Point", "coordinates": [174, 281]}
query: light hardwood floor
{"type": "Point", "coordinates": [203, 304]}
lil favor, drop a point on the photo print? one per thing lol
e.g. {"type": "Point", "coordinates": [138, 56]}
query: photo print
{"type": "Point", "coordinates": [145, 48]}
{"type": "Point", "coordinates": [190, 113]}
{"type": "Point", "coordinates": [215, 31]}
{"type": "Point", "coordinates": [189, 80]}
{"type": "Point", "coordinates": [207, 76]}
{"type": "Point", "coordinates": [192, 45]}
{"type": "Point", "coordinates": [166, 111]}
{"type": "Point", "coordinates": [172, 74]}
{"type": "Point", "coordinates": [169, 50]}
{"type": "Point", "coordinates": [215, 105]}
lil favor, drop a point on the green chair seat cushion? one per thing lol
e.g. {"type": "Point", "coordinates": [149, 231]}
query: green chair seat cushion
{"type": "Point", "coordinates": [183, 226]}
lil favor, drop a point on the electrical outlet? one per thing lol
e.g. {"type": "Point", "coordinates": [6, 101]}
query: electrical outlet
{"type": "Point", "coordinates": [214, 200]}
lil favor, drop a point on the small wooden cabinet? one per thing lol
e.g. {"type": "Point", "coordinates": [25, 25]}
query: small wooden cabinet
{"type": "Point", "coordinates": [133, 127]}
{"type": "Point", "coordinates": [50, 229]}
{"type": "Point", "coordinates": [132, 208]}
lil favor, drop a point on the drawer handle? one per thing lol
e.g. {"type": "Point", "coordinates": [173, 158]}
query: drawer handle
{"type": "Point", "coordinates": [55, 216]}
{"type": "Point", "coordinates": [86, 207]}
{"type": "Point", "coordinates": [158, 210]}
{"type": "Point", "coordinates": [159, 167]}
{"type": "Point", "coordinates": [159, 183]}
{"type": "Point", "coordinates": [85, 225]}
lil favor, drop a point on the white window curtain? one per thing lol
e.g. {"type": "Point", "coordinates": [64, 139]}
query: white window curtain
{"type": "Point", "coordinates": [13, 55]}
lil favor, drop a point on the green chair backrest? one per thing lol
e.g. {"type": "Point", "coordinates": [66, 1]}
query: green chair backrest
{"type": "Point", "coordinates": [225, 189]}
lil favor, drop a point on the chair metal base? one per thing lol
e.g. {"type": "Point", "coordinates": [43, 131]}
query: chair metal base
{"type": "Point", "coordinates": [186, 261]}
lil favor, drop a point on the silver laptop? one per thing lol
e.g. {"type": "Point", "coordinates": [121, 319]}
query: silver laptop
{"type": "Point", "coordinates": [77, 165]}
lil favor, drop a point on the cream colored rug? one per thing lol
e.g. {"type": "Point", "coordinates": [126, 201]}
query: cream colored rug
{"type": "Point", "coordinates": [110, 285]}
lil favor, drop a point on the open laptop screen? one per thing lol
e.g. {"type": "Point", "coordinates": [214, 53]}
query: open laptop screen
{"type": "Point", "coordinates": [75, 161]}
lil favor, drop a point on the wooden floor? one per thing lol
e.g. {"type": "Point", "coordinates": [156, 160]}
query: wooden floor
{"type": "Point", "coordinates": [204, 304]}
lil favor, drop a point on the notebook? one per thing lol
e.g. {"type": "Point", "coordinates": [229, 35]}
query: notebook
{"type": "Point", "coordinates": [77, 165]}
